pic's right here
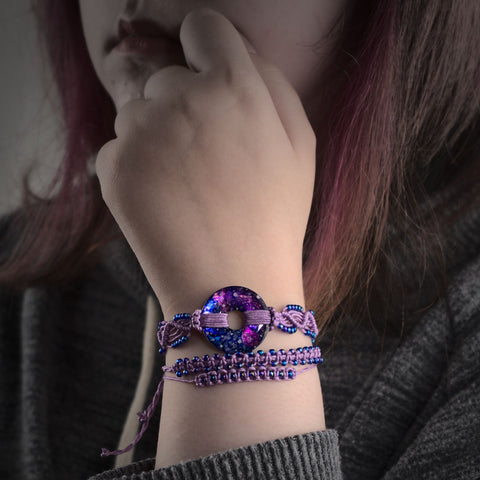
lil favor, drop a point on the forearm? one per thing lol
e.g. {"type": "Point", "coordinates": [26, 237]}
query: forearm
{"type": "Point", "coordinates": [197, 422]}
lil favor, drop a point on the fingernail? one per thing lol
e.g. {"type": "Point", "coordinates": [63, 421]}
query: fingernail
{"type": "Point", "coordinates": [248, 45]}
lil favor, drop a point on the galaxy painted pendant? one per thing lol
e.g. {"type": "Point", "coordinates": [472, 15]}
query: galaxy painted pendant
{"type": "Point", "coordinates": [245, 339]}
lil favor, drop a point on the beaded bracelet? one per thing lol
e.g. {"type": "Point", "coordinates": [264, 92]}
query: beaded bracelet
{"type": "Point", "coordinates": [240, 367]}
{"type": "Point", "coordinates": [212, 321]}
{"type": "Point", "coordinates": [239, 364]}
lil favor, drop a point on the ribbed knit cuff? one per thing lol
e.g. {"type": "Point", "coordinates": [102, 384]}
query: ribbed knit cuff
{"type": "Point", "coordinates": [311, 456]}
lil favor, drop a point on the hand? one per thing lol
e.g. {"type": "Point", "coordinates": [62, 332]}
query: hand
{"type": "Point", "coordinates": [211, 175]}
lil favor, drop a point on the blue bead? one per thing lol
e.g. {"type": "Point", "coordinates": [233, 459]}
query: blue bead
{"type": "Point", "coordinates": [290, 374]}
{"type": "Point", "coordinates": [260, 352]}
{"type": "Point", "coordinates": [233, 376]}
{"type": "Point", "coordinates": [300, 349]}
{"type": "Point", "coordinates": [185, 372]}
{"type": "Point", "coordinates": [281, 374]}
{"type": "Point", "coordinates": [252, 375]}
{"type": "Point", "coordinates": [178, 374]}
{"type": "Point", "coordinates": [206, 358]}
{"type": "Point", "coordinates": [284, 362]}
{"type": "Point", "coordinates": [161, 350]}
{"type": "Point", "coordinates": [272, 351]}
{"type": "Point", "coordinates": [179, 360]}
{"type": "Point", "coordinates": [302, 362]}
{"type": "Point", "coordinates": [274, 364]}
{"type": "Point", "coordinates": [195, 359]}
{"type": "Point", "coordinates": [295, 362]}
{"type": "Point", "coordinates": [271, 374]}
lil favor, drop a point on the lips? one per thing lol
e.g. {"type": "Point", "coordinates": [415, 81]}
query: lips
{"type": "Point", "coordinates": [146, 38]}
{"type": "Point", "coordinates": [137, 31]}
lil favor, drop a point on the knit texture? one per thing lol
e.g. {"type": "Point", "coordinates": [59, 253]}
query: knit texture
{"type": "Point", "coordinates": [395, 409]}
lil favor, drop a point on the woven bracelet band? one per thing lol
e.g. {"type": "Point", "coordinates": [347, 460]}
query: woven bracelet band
{"type": "Point", "coordinates": [212, 321]}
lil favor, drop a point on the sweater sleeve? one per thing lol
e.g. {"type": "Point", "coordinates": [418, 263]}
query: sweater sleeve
{"type": "Point", "coordinates": [311, 456]}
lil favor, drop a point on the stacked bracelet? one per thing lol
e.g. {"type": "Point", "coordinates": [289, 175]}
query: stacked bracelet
{"type": "Point", "coordinates": [239, 363]}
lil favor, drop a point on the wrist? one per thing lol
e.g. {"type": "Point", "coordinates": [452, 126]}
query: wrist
{"type": "Point", "coordinates": [276, 293]}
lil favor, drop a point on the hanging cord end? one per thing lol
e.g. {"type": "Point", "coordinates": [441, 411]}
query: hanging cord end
{"type": "Point", "coordinates": [144, 418]}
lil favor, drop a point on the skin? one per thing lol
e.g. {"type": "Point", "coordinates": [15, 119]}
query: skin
{"type": "Point", "coordinates": [210, 179]}
{"type": "Point", "coordinates": [296, 40]}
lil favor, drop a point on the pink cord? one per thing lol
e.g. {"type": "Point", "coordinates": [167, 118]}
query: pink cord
{"type": "Point", "coordinates": [144, 418]}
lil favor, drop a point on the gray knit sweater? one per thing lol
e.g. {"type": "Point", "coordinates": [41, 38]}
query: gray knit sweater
{"type": "Point", "coordinates": [409, 409]}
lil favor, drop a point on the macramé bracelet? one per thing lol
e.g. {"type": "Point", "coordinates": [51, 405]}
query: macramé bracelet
{"type": "Point", "coordinates": [239, 363]}
{"type": "Point", "coordinates": [212, 321]}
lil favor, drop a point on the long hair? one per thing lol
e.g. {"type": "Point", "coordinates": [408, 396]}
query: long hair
{"type": "Point", "coordinates": [402, 124]}
{"type": "Point", "coordinates": [55, 239]}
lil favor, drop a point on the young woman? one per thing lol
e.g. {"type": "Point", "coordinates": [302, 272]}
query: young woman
{"type": "Point", "coordinates": [322, 155]}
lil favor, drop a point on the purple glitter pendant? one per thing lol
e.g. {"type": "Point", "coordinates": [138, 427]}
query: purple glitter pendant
{"type": "Point", "coordinates": [245, 339]}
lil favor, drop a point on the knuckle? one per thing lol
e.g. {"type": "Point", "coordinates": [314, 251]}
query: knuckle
{"type": "Point", "coordinates": [128, 115]}
{"type": "Point", "coordinates": [311, 137]}
{"type": "Point", "coordinates": [103, 158]}
{"type": "Point", "coordinates": [105, 167]}
{"type": "Point", "coordinates": [165, 81]}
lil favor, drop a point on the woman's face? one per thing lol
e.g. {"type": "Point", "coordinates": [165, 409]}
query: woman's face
{"type": "Point", "coordinates": [292, 35]}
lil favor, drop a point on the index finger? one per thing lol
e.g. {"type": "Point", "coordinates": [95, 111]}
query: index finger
{"type": "Point", "coordinates": [211, 42]}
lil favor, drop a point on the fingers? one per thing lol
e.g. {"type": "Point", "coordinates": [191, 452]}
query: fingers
{"type": "Point", "coordinates": [212, 44]}
{"type": "Point", "coordinates": [210, 41]}
{"type": "Point", "coordinates": [289, 108]}
{"type": "Point", "coordinates": [172, 80]}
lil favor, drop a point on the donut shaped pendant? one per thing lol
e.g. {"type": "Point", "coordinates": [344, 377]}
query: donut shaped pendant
{"type": "Point", "coordinates": [244, 339]}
